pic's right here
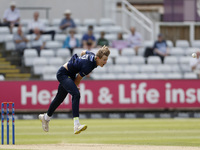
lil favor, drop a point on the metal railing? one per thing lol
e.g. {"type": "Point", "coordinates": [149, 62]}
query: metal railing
{"type": "Point", "coordinates": [126, 15]}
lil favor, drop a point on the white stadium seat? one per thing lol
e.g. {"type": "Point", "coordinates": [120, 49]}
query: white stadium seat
{"type": "Point", "coordinates": [141, 51]}
{"type": "Point", "coordinates": [49, 73]}
{"type": "Point", "coordinates": [148, 43]}
{"type": "Point", "coordinates": [141, 76]}
{"type": "Point", "coordinates": [45, 21]}
{"type": "Point", "coordinates": [196, 43]}
{"type": "Point", "coordinates": [155, 60]}
{"type": "Point", "coordinates": [190, 75]}
{"type": "Point", "coordinates": [116, 69]}
{"type": "Point", "coordinates": [10, 45]}
{"type": "Point", "coordinates": [100, 70]}
{"type": "Point", "coordinates": [177, 51]}
{"type": "Point", "coordinates": [46, 37]}
{"type": "Point", "coordinates": [78, 51]}
{"type": "Point", "coordinates": [176, 68]}
{"type": "Point", "coordinates": [29, 56]}
{"type": "Point", "coordinates": [82, 30]}
{"type": "Point", "coordinates": [8, 38]}
{"type": "Point", "coordinates": [171, 60]}
{"type": "Point", "coordinates": [121, 60]}
{"type": "Point", "coordinates": [138, 60]}
{"type": "Point", "coordinates": [147, 69]}
{"type": "Point", "coordinates": [60, 37]}
{"type": "Point", "coordinates": [113, 52]}
{"type": "Point", "coordinates": [2, 78]}
{"type": "Point", "coordinates": [114, 29]}
{"type": "Point", "coordinates": [38, 65]}
{"type": "Point", "coordinates": [111, 37]}
{"type": "Point", "coordinates": [98, 29]}
{"type": "Point", "coordinates": [53, 44]}
{"type": "Point", "coordinates": [47, 53]}
{"type": "Point", "coordinates": [56, 22]}
{"type": "Point", "coordinates": [190, 50]}
{"type": "Point", "coordinates": [77, 22]}
{"type": "Point", "coordinates": [106, 22]}
{"type": "Point", "coordinates": [63, 53]}
{"type": "Point", "coordinates": [4, 30]}
{"type": "Point", "coordinates": [109, 62]}
{"type": "Point", "coordinates": [185, 68]}
{"type": "Point", "coordinates": [184, 60]}
{"type": "Point", "coordinates": [131, 69]}
{"type": "Point", "coordinates": [163, 68]}
{"type": "Point", "coordinates": [128, 52]}
{"type": "Point", "coordinates": [182, 43]}
{"type": "Point", "coordinates": [25, 22]}
{"type": "Point", "coordinates": [108, 76]}
{"type": "Point", "coordinates": [157, 76]}
{"type": "Point", "coordinates": [124, 76]}
{"type": "Point", "coordinates": [88, 22]}
{"type": "Point", "coordinates": [174, 76]}
{"type": "Point", "coordinates": [57, 62]}
{"type": "Point", "coordinates": [170, 43]}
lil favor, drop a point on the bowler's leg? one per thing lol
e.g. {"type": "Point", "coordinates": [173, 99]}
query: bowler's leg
{"type": "Point", "coordinates": [71, 88]}
{"type": "Point", "coordinates": [45, 118]}
{"type": "Point", "coordinates": [69, 85]}
{"type": "Point", "coordinates": [60, 96]}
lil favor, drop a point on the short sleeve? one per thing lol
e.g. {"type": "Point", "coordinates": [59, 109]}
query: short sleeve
{"type": "Point", "coordinates": [85, 71]}
{"type": "Point", "coordinates": [88, 52]}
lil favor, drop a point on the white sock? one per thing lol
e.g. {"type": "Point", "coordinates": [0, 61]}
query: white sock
{"type": "Point", "coordinates": [76, 121]}
{"type": "Point", "coordinates": [46, 117]}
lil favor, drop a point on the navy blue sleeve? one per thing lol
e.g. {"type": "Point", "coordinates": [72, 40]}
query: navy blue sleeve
{"type": "Point", "coordinates": [88, 52]}
{"type": "Point", "coordinates": [85, 70]}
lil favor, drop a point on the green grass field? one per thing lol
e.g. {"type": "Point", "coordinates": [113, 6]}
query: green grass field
{"type": "Point", "coordinates": [173, 132]}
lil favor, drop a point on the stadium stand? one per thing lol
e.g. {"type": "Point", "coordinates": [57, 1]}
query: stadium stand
{"type": "Point", "coordinates": [126, 63]}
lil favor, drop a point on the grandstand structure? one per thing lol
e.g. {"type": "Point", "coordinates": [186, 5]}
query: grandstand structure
{"type": "Point", "coordinates": [119, 16]}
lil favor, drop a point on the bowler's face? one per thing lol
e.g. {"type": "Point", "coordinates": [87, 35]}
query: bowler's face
{"type": "Point", "coordinates": [101, 62]}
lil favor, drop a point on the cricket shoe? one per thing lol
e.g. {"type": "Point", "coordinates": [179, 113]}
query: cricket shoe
{"type": "Point", "coordinates": [45, 123]}
{"type": "Point", "coordinates": [78, 128]}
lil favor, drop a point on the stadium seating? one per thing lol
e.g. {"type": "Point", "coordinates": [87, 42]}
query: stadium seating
{"type": "Point", "coordinates": [119, 66]}
{"type": "Point", "coordinates": [63, 53]}
{"type": "Point", "coordinates": [53, 45]}
{"type": "Point", "coordinates": [57, 62]}
{"type": "Point", "coordinates": [49, 73]}
{"type": "Point", "coordinates": [141, 76]}
{"type": "Point", "coordinates": [116, 69]}
{"type": "Point", "coordinates": [2, 78]}
{"type": "Point", "coordinates": [171, 60]}
{"type": "Point", "coordinates": [106, 22]}
{"type": "Point", "coordinates": [177, 51]}
{"type": "Point", "coordinates": [123, 76]}
{"type": "Point", "coordinates": [163, 68]}
{"type": "Point", "coordinates": [140, 60]}
{"type": "Point", "coordinates": [147, 69]}
{"type": "Point", "coordinates": [174, 76]}
{"type": "Point", "coordinates": [157, 76]}
{"type": "Point", "coordinates": [38, 65]}
{"type": "Point", "coordinates": [131, 69]}
{"type": "Point", "coordinates": [182, 44]}
{"type": "Point", "coordinates": [189, 75]}
{"type": "Point", "coordinates": [196, 44]}
{"type": "Point", "coordinates": [122, 60]}
{"type": "Point", "coordinates": [29, 56]}
{"type": "Point", "coordinates": [128, 52]}
{"type": "Point", "coordinates": [155, 60]}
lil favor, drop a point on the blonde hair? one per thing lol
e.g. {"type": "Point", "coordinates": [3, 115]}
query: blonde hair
{"type": "Point", "coordinates": [103, 51]}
